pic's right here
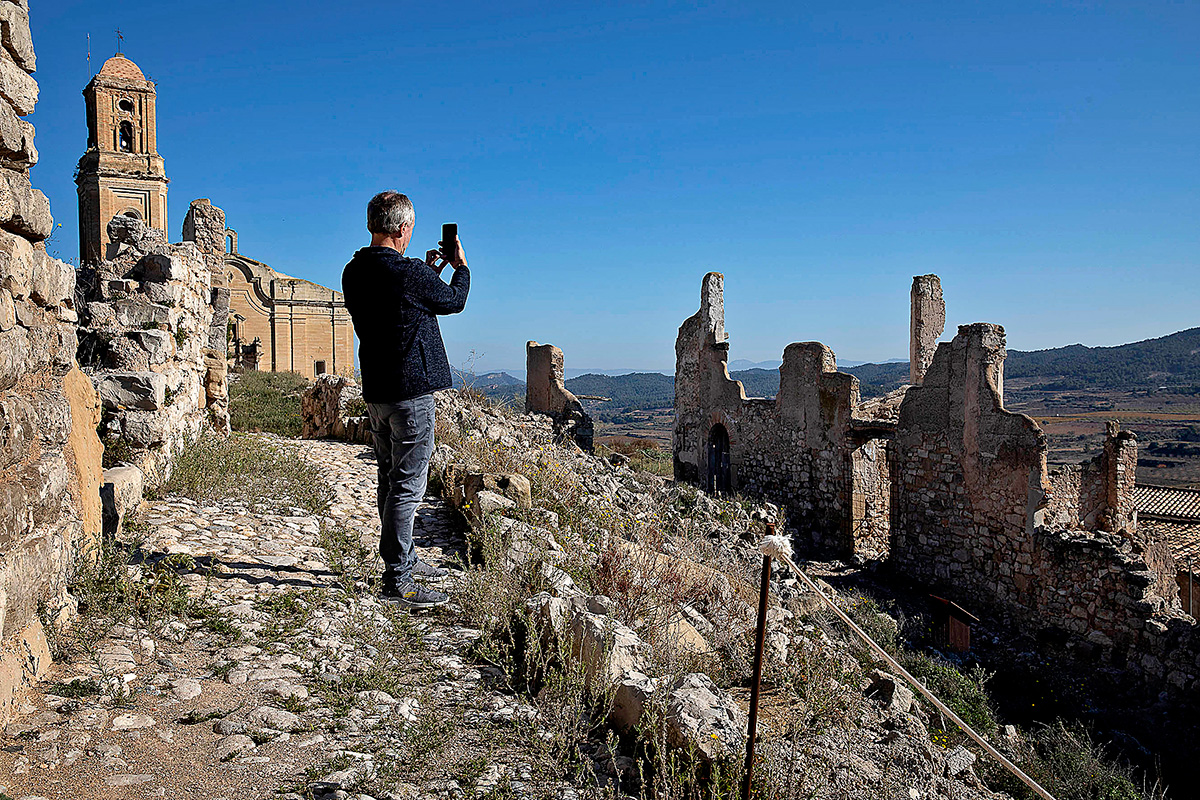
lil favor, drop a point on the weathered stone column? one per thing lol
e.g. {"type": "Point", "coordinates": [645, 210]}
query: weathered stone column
{"type": "Point", "coordinates": [926, 325]}
{"type": "Point", "coordinates": [546, 393]}
{"type": "Point", "coordinates": [205, 226]}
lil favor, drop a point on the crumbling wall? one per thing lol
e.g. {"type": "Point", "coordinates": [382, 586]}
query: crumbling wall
{"type": "Point", "coordinates": [970, 475]}
{"type": "Point", "coordinates": [204, 226]}
{"type": "Point", "coordinates": [333, 408]}
{"type": "Point", "coordinates": [927, 322]}
{"type": "Point", "coordinates": [49, 453]}
{"type": "Point", "coordinates": [795, 449]}
{"type": "Point", "coordinates": [546, 393]}
{"type": "Point", "coordinates": [1098, 493]}
{"type": "Point", "coordinates": [871, 498]}
{"type": "Point", "coordinates": [145, 326]}
{"type": "Point", "coordinates": [976, 515]}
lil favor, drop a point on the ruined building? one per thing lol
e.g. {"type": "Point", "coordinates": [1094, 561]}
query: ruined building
{"type": "Point", "coordinates": [947, 489]}
{"type": "Point", "coordinates": [280, 323]}
{"type": "Point", "coordinates": [50, 456]}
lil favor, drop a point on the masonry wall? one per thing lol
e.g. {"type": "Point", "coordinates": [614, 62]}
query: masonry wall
{"type": "Point", "coordinates": [49, 452]}
{"type": "Point", "coordinates": [977, 516]}
{"type": "Point", "coordinates": [144, 333]}
{"type": "Point", "coordinates": [795, 449]}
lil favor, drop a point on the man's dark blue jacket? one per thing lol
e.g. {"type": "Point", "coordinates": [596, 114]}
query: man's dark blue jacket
{"type": "Point", "coordinates": [394, 302]}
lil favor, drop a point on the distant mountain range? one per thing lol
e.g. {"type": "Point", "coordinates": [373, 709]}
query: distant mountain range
{"type": "Point", "coordinates": [1170, 361]}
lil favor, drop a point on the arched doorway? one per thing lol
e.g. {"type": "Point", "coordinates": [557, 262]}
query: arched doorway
{"type": "Point", "coordinates": [719, 479]}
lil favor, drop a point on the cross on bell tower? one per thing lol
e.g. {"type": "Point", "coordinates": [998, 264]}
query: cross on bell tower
{"type": "Point", "coordinates": [121, 171]}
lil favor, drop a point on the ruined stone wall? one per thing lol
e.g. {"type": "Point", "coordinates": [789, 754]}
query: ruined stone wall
{"type": "Point", "coordinates": [49, 453]}
{"type": "Point", "coordinates": [146, 318]}
{"type": "Point", "coordinates": [977, 516]}
{"type": "Point", "coordinates": [546, 393]}
{"type": "Point", "coordinates": [333, 408]}
{"type": "Point", "coordinates": [204, 226]}
{"type": "Point", "coordinates": [871, 498]}
{"type": "Point", "coordinates": [794, 449]}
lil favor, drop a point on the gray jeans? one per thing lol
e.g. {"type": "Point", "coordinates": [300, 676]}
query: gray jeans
{"type": "Point", "coordinates": [403, 434]}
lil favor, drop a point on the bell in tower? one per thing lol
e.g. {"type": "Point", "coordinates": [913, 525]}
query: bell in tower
{"type": "Point", "coordinates": [121, 172]}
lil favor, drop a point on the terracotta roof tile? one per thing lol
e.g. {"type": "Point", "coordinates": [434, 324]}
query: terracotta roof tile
{"type": "Point", "coordinates": [121, 67]}
{"type": "Point", "coordinates": [1167, 502]}
{"type": "Point", "coordinates": [1182, 537]}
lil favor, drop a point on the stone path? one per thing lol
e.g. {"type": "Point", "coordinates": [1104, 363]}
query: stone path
{"type": "Point", "coordinates": [258, 718]}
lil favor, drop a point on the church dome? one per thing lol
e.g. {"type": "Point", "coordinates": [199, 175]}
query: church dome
{"type": "Point", "coordinates": [121, 67]}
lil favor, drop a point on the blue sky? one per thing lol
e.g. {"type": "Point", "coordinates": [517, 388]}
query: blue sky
{"type": "Point", "coordinates": [599, 158]}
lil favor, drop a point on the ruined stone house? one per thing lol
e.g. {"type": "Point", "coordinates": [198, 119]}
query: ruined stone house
{"type": "Point", "coordinates": [944, 486]}
{"type": "Point", "coordinates": [280, 323]}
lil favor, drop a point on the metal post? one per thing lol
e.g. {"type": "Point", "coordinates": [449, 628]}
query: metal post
{"type": "Point", "coordinates": [759, 641]}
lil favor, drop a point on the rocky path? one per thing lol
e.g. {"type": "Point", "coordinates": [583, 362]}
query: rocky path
{"type": "Point", "coordinates": [273, 693]}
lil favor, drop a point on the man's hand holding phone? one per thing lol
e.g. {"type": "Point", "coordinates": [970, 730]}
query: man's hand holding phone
{"type": "Point", "coordinates": [450, 250]}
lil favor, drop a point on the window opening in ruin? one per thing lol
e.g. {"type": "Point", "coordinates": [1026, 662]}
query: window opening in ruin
{"type": "Point", "coordinates": [126, 105]}
{"type": "Point", "coordinates": [125, 138]}
{"type": "Point", "coordinates": [319, 368]}
{"type": "Point", "coordinates": [719, 477]}
{"type": "Point", "coordinates": [229, 245]}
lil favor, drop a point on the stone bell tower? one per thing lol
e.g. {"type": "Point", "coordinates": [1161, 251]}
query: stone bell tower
{"type": "Point", "coordinates": [121, 172]}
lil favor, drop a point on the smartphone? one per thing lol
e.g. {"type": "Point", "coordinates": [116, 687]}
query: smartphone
{"type": "Point", "coordinates": [449, 241]}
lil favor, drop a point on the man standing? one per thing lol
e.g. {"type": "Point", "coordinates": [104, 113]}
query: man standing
{"type": "Point", "coordinates": [394, 302]}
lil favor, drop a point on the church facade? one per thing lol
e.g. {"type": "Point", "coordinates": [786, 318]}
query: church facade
{"type": "Point", "coordinates": [277, 322]}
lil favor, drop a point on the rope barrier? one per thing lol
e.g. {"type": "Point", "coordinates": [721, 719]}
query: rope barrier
{"type": "Point", "coordinates": [779, 547]}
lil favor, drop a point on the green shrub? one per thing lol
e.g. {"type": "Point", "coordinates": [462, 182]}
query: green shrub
{"type": "Point", "coordinates": [964, 694]}
{"type": "Point", "coordinates": [244, 467]}
{"type": "Point", "coordinates": [267, 401]}
{"type": "Point", "coordinates": [1070, 764]}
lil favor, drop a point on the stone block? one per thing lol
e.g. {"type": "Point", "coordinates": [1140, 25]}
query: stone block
{"type": "Point", "coordinates": [83, 408]}
{"type": "Point", "coordinates": [17, 150]}
{"type": "Point", "coordinates": [135, 313]}
{"type": "Point", "coordinates": [891, 692]}
{"type": "Point", "coordinates": [630, 698]}
{"type": "Point", "coordinates": [141, 390]}
{"type": "Point", "coordinates": [159, 345]}
{"type": "Point", "coordinates": [15, 517]}
{"type": "Point", "coordinates": [17, 257]}
{"type": "Point", "coordinates": [159, 268]}
{"type": "Point", "coordinates": [145, 429]}
{"type": "Point", "coordinates": [53, 282]}
{"type": "Point", "coordinates": [18, 429]}
{"type": "Point", "coordinates": [14, 356]}
{"type": "Point", "coordinates": [47, 480]}
{"type": "Point", "coordinates": [23, 209]}
{"type": "Point", "coordinates": [17, 86]}
{"type": "Point", "coordinates": [606, 648]}
{"type": "Point", "coordinates": [703, 717]}
{"type": "Point", "coordinates": [14, 32]}
{"type": "Point", "coordinates": [121, 493]}
{"type": "Point", "coordinates": [8, 310]}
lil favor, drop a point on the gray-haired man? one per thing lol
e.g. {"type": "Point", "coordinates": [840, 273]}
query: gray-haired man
{"type": "Point", "coordinates": [394, 302]}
